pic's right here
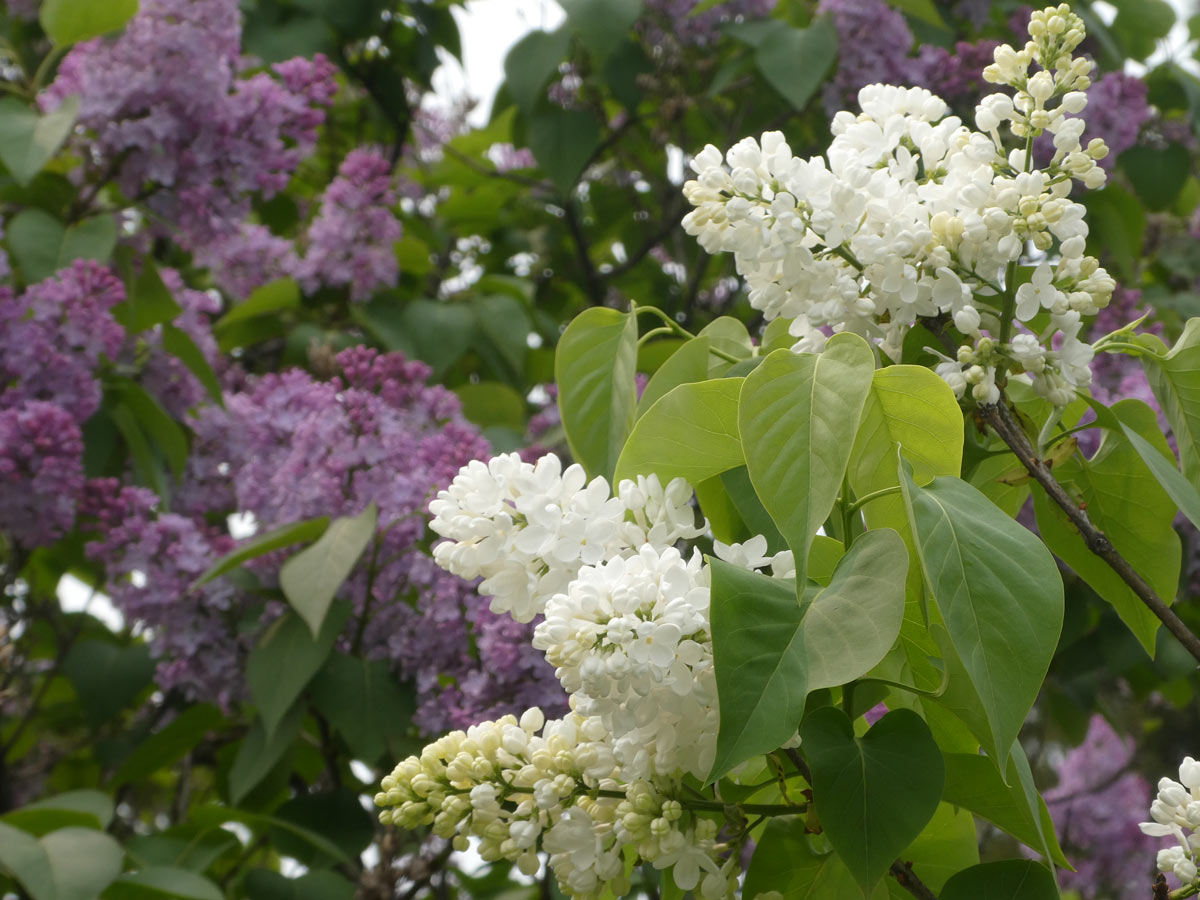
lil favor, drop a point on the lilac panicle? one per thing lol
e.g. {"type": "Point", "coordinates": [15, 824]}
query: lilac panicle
{"type": "Point", "coordinates": [873, 45]}
{"type": "Point", "coordinates": [350, 241]}
{"type": "Point", "coordinates": [673, 20]}
{"type": "Point", "coordinates": [41, 471]}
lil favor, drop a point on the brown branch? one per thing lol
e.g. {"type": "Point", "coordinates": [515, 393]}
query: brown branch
{"type": "Point", "coordinates": [905, 877]}
{"type": "Point", "coordinates": [1001, 419]}
{"type": "Point", "coordinates": [592, 278]}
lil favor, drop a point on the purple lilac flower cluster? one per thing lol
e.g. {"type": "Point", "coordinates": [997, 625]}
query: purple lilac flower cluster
{"type": "Point", "coordinates": [350, 241]}
{"type": "Point", "coordinates": [873, 45]}
{"type": "Point", "coordinates": [53, 337]}
{"type": "Point", "coordinates": [1117, 109]}
{"type": "Point", "coordinates": [287, 447]}
{"type": "Point", "coordinates": [674, 20]}
{"type": "Point", "coordinates": [246, 257]}
{"type": "Point", "coordinates": [1097, 804]}
{"type": "Point", "coordinates": [172, 119]}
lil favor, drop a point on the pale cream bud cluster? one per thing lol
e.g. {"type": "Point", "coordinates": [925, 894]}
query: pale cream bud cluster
{"type": "Point", "coordinates": [1176, 813]}
{"type": "Point", "coordinates": [914, 215]}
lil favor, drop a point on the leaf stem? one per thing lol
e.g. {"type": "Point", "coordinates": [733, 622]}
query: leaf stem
{"type": "Point", "coordinates": [1001, 420]}
{"type": "Point", "coordinates": [874, 495]}
{"type": "Point", "coordinates": [674, 327]}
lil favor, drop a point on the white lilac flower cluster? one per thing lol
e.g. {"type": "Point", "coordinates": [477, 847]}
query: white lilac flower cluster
{"type": "Point", "coordinates": [914, 215]}
{"type": "Point", "coordinates": [626, 623]}
{"type": "Point", "coordinates": [1176, 810]}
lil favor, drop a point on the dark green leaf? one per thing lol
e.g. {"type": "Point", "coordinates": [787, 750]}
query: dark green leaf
{"type": "Point", "coordinates": [42, 245]}
{"type": "Point", "coordinates": [1008, 879]}
{"type": "Point", "coordinates": [272, 297]}
{"type": "Point", "coordinates": [1175, 378]}
{"type": "Point", "coordinates": [27, 140]}
{"type": "Point", "coordinates": [602, 24]}
{"type": "Point", "coordinates": [179, 344]}
{"type": "Point", "coordinates": [488, 403]}
{"type": "Point", "coordinates": [795, 60]}
{"type": "Point", "coordinates": [1157, 173]}
{"type": "Point", "coordinates": [594, 367]}
{"type": "Point", "coordinates": [276, 539]}
{"type": "Point", "coordinates": [286, 659]}
{"type": "Point", "coordinates": [163, 881]}
{"type": "Point", "coordinates": [260, 751]}
{"type": "Point", "coordinates": [873, 794]}
{"type": "Point", "coordinates": [785, 861]}
{"type": "Point", "coordinates": [436, 332]}
{"type": "Point", "coordinates": [312, 577]}
{"type": "Point", "coordinates": [363, 702]}
{"type": "Point", "coordinates": [165, 747]}
{"type": "Point", "coordinates": [562, 141]}
{"type": "Point", "coordinates": [530, 63]}
{"type": "Point", "coordinates": [999, 593]}
{"type": "Point", "coordinates": [155, 423]}
{"type": "Point", "coordinates": [107, 677]}
{"type": "Point", "coordinates": [68, 21]}
{"type": "Point", "coordinates": [263, 884]}
{"type": "Point", "coordinates": [338, 816]}
{"type": "Point", "coordinates": [798, 415]}
{"type": "Point", "coordinates": [149, 302]}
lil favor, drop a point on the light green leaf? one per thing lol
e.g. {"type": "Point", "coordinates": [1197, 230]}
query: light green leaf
{"type": "Point", "coordinates": [488, 403]}
{"type": "Point", "coordinates": [729, 335]}
{"type": "Point", "coordinates": [84, 862]}
{"type": "Point", "coordinates": [272, 297]}
{"type": "Point", "coordinates": [798, 415]}
{"type": "Point", "coordinates": [1126, 502]}
{"type": "Point", "coordinates": [686, 365]}
{"type": "Point", "coordinates": [999, 593]}
{"type": "Point", "coordinates": [163, 881]}
{"type": "Point", "coordinates": [69, 21]}
{"type": "Point", "coordinates": [27, 140]}
{"type": "Point", "coordinates": [311, 578]}
{"type": "Point", "coordinates": [1175, 379]}
{"type": "Point", "coordinates": [691, 432]}
{"type": "Point", "coordinates": [785, 861]}
{"type": "Point", "coordinates": [795, 60]}
{"type": "Point", "coordinates": [873, 794]}
{"type": "Point", "coordinates": [42, 245]}
{"type": "Point", "coordinates": [769, 652]}
{"type": "Point", "coordinates": [23, 857]}
{"type": "Point", "coordinates": [86, 808]}
{"type": "Point", "coordinates": [1008, 879]}
{"type": "Point", "coordinates": [286, 659]}
{"type": "Point", "coordinates": [276, 539]}
{"type": "Point", "coordinates": [594, 367]}
{"type": "Point", "coordinates": [946, 845]}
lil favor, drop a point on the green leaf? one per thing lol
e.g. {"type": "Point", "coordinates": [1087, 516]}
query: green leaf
{"type": "Point", "coordinates": [602, 24]}
{"type": "Point", "coordinates": [42, 245]}
{"type": "Point", "coordinates": [179, 344]}
{"type": "Point", "coordinates": [795, 60]}
{"type": "Point", "coordinates": [530, 64]}
{"type": "Point", "coordinates": [286, 659]}
{"type": "Point", "coordinates": [69, 21]}
{"type": "Point", "coordinates": [1008, 879]}
{"type": "Point", "coordinates": [750, 510]}
{"type": "Point", "coordinates": [276, 539]}
{"type": "Point", "coordinates": [1158, 174]}
{"type": "Point", "coordinates": [363, 702]}
{"type": "Point", "coordinates": [1175, 379]}
{"type": "Point", "coordinates": [273, 297]}
{"type": "Point", "coordinates": [430, 330]}
{"type": "Point", "coordinates": [691, 432]}
{"type": "Point", "coordinates": [594, 367]}
{"type": "Point", "coordinates": [85, 808]}
{"type": "Point", "coordinates": [502, 329]}
{"type": "Point", "coordinates": [214, 815]}
{"type": "Point", "coordinates": [155, 423]}
{"type": "Point", "coordinates": [28, 141]}
{"type": "Point", "coordinates": [769, 652]}
{"type": "Point", "coordinates": [107, 677]}
{"type": "Point", "coordinates": [785, 861]}
{"type": "Point", "coordinates": [1126, 502]}
{"type": "Point", "coordinates": [488, 403]}
{"type": "Point", "coordinates": [1178, 488]}
{"type": "Point", "coordinates": [798, 415]}
{"type": "Point", "coordinates": [999, 593]}
{"type": "Point", "coordinates": [562, 141]}
{"type": "Point", "coordinates": [260, 751]}
{"type": "Point", "coordinates": [729, 335]}
{"type": "Point", "coordinates": [338, 816]}
{"type": "Point", "coordinates": [873, 794]}
{"type": "Point", "coordinates": [23, 857]}
{"type": "Point", "coordinates": [945, 846]}
{"type": "Point", "coordinates": [84, 862]}
{"type": "Point", "coordinates": [163, 881]}
{"type": "Point", "coordinates": [264, 884]}
{"type": "Point", "coordinates": [311, 578]}
{"type": "Point", "coordinates": [149, 302]}
{"type": "Point", "coordinates": [973, 783]}
{"type": "Point", "coordinates": [170, 744]}
{"type": "Point", "coordinates": [146, 464]}
{"type": "Point", "coordinates": [1117, 224]}
{"type": "Point", "coordinates": [686, 365]}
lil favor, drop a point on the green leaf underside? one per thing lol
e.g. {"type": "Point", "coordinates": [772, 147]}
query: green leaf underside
{"type": "Point", "coordinates": [999, 593]}
{"type": "Point", "coordinates": [311, 579]}
{"type": "Point", "coordinates": [276, 539]}
{"type": "Point", "coordinates": [770, 652]}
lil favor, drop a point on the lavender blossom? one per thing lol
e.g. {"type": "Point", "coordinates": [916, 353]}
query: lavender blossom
{"type": "Point", "coordinates": [873, 46]}
{"type": "Point", "coordinates": [1116, 111]}
{"type": "Point", "coordinates": [41, 472]}
{"type": "Point", "coordinates": [667, 21]}
{"type": "Point", "coordinates": [170, 117]}
{"type": "Point", "coordinates": [350, 242]}
{"type": "Point", "coordinates": [955, 76]}
{"type": "Point", "coordinates": [246, 258]}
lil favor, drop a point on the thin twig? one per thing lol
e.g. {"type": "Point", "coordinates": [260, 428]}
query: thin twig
{"type": "Point", "coordinates": [1001, 419]}
{"type": "Point", "coordinates": [907, 879]}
